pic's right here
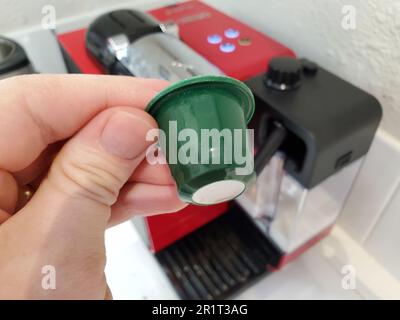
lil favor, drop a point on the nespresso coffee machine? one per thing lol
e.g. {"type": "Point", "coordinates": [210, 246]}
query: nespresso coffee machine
{"type": "Point", "coordinates": [312, 130]}
{"type": "Point", "coordinates": [133, 43]}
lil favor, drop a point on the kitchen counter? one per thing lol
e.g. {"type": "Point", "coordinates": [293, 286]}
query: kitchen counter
{"type": "Point", "coordinates": [133, 272]}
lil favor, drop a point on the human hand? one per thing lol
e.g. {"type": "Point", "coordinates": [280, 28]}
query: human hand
{"type": "Point", "coordinates": [79, 141]}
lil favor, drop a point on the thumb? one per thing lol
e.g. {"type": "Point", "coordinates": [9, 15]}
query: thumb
{"type": "Point", "coordinates": [63, 225]}
{"type": "Point", "coordinates": [88, 173]}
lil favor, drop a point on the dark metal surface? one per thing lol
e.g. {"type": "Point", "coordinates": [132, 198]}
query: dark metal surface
{"type": "Point", "coordinates": [219, 259]}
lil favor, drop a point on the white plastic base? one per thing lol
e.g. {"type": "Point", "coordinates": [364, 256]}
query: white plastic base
{"type": "Point", "coordinates": [219, 191]}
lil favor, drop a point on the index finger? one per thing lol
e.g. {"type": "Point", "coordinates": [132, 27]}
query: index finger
{"type": "Point", "coordinates": [37, 110]}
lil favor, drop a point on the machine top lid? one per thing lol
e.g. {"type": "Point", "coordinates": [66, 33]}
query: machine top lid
{"type": "Point", "coordinates": [233, 86]}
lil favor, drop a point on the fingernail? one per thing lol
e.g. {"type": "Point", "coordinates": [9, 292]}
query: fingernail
{"type": "Point", "coordinates": [124, 135]}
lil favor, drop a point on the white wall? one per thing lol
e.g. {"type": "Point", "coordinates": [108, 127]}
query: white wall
{"type": "Point", "coordinates": [18, 14]}
{"type": "Point", "coordinates": [368, 56]}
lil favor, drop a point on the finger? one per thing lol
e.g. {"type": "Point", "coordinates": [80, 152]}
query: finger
{"type": "Point", "coordinates": [42, 109]}
{"type": "Point", "coordinates": [4, 216]}
{"type": "Point", "coordinates": [25, 193]}
{"type": "Point", "coordinates": [38, 166]}
{"type": "Point", "coordinates": [138, 199]}
{"type": "Point", "coordinates": [35, 184]}
{"type": "Point", "coordinates": [153, 174]}
{"type": "Point", "coordinates": [108, 295]}
{"type": "Point", "coordinates": [64, 223]}
{"type": "Point", "coordinates": [8, 193]}
{"type": "Point", "coordinates": [86, 176]}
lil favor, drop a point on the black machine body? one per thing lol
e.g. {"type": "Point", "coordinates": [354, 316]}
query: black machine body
{"type": "Point", "coordinates": [329, 122]}
{"type": "Point", "coordinates": [129, 25]}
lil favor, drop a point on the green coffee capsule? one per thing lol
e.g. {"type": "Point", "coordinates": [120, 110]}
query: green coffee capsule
{"type": "Point", "coordinates": [203, 134]}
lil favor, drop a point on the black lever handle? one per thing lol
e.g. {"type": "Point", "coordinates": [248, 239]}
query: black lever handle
{"type": "Point", "coordinates": [275, 139]}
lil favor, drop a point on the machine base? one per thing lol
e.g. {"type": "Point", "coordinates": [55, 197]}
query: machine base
{"type": "Point", "coordinates": [219, 259]}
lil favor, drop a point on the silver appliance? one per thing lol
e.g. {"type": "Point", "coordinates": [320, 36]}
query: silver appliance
{"type": "Point", "coordinates": [131, 42]}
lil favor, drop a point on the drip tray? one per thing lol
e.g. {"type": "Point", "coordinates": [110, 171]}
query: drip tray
{"type": "Point", "coordinates": [219, 259]}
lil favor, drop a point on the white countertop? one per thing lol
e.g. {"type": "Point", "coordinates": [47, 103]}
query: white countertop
{"type": "Point", "coordinates": [133, 272]}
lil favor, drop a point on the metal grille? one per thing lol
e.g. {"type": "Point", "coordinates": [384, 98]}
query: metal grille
{"type": "Point", "coordinates": [219, 259]}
